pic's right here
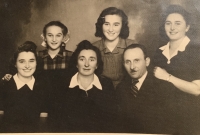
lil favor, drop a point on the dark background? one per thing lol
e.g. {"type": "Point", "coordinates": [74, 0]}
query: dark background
{"type": "Point", "coordinates": [22, 20]}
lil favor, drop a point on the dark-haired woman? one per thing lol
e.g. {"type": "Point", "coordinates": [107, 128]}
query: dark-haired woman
{"type": "Point", "coordinates": [177, 63]}
{"type": "Point", "coordinates": [23, 96]}
{"type": "Point", "coordinates": [112, 27]}
{"type": "Point", "coordinates": [89, 100]}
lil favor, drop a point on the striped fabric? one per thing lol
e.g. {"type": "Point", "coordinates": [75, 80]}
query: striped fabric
{"type": "Point", "coordinates": [134, 87]}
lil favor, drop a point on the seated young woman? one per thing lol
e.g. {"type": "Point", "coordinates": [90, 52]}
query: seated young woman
{"type": "Point", "coordinates": [89, 99]}
{"type": "Point", "coordinates": [23, 96]}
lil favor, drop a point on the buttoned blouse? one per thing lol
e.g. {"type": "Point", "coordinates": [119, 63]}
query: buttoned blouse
{"type": "Point", "coordinates": [181, 48]}
{"type": "Point", "coordinates": [113, 61]}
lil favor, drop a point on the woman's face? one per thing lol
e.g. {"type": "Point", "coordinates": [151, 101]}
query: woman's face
{"type": "Point", "coordinates": [54, 37]}
{"type": "Point", "coordinates": [112, 27]}
{"type": "Point", "coordinates": [87, 62]}
{"type": "Point", "coordinates": [175, 26]}
{"type": "Point", "coordinates": [26, 64]}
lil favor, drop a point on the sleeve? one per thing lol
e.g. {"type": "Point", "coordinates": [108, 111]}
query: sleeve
{"type": "Point", "coordinates": [1, 95]}
{"type": "Point", "coordinates": [3, 88]}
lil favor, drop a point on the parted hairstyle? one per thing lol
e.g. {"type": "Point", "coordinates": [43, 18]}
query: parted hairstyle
{"type": "Point", "coordinates": [55, 23]}
{"type": "Point", "coordinates": [85, 45]}
{"type": "Point", "coordinates": [170, 10]}
{"type": "Point", "coordinates": [112, 11]}
{"type": "Point", "coordinates": [142, 47]}
{"type": "Point", "coordinates": [27, 46]}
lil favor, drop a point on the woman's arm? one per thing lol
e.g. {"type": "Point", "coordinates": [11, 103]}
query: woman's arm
{"type": "Point", "coordinates": [185, 86]}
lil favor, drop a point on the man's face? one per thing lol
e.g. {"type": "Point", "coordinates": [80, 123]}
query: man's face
{"type": "Point", "coordinates": [135, 63]}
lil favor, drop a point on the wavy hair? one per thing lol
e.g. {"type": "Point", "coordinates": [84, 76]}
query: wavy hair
{"type": "Point", "coordinates": [112, 11]}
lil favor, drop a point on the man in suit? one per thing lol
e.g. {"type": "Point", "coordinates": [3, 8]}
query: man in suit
{"type": "Point", "coordinates": [137, 93]}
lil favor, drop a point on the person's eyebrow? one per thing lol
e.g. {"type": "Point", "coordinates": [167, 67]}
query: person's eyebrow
{"type": "Point", "coordinates": [92, 57]}
{"type": "Point", "coordinates": [21, 59]}
{"type": "Point", "coordinates": [81, 56]}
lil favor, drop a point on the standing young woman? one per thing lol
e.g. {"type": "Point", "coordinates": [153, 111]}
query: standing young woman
{"type": "Point", "coordinates": [177, 63]}
{"type": "Point", "coordinates": [24, 95]}
{"type": "Point", "coordinates": [112, 27]}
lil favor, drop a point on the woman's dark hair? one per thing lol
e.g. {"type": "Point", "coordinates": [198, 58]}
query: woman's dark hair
{"type": "Point", "coordinates": [27, 46]}
{"type": "Point", "coordinates": [170, 10]}
{"type": "Point", "coordinates": [85, 45]}
{"type": "Point", "coordinates": [112, 11]}
{"type": "Point", "coordinates": [55, 23]}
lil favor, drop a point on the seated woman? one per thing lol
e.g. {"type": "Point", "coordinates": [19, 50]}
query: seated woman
{"type": "Point", "coordinates": [23, 95]}
{"type": "Point", "coordinates": [89, 100]}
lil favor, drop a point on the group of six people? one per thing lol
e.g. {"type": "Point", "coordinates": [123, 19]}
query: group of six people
{"type": "Point", "coordinates": [106, 86]}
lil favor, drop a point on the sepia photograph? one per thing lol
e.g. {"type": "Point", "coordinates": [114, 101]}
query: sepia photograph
{"type": "Point", "coordinates": [100, 66]}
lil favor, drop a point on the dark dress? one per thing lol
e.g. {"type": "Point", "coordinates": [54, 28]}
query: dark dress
{"type": "Point", "coordinates": [22, 107]}
{"type": "Point", "coordinates": [181, 109]}
{"type": "Point", "coordinates": [93, 111]}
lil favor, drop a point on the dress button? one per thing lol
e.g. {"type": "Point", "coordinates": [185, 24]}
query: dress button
{"type": "Point", "coordinates": [168, 62]}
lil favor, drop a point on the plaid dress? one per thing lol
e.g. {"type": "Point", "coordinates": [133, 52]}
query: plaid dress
{"type": "Point", "coordinates": [60, 61]}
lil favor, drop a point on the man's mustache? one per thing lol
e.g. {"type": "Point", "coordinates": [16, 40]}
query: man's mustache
{"type": "Point", "coordinates": [132, 70]}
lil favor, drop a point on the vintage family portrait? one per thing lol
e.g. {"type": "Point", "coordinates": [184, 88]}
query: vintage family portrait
{"type": "Point", "coordinates": [100, 66]}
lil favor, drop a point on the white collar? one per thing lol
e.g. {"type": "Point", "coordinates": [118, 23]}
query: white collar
{"type": "Point", "coordinates": [95, 82]}
{"type": "Point", "coordinates": [181, 48]}
{"type": "Point", "coordinates": [20, 84]}
{"type": "Point", "coordinates": [141, 80]}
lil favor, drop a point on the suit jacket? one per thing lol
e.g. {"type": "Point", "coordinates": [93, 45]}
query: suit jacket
{"type": "Point", "coordinates": [139, 114]}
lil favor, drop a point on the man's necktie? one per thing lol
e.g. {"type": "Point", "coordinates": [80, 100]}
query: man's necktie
{"type": "Point", "coordinates": [134, 87]}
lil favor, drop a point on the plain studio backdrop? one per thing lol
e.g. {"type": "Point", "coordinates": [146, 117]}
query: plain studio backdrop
{"type": "Point", "coordinates": [22, 20]}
